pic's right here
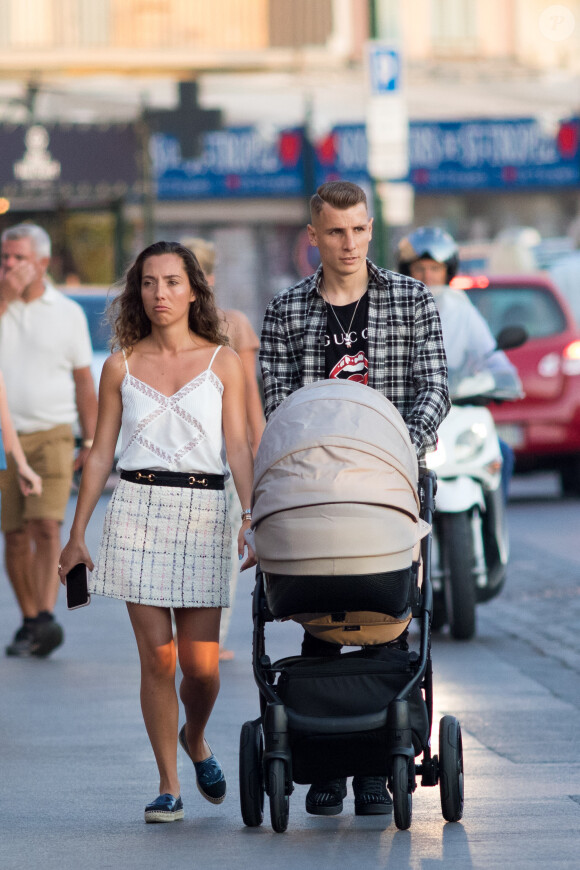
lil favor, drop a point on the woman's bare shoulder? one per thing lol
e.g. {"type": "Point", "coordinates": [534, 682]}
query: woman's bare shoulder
{"type": "Point", "coordinates": [226, 361]}
{"type": "Point", "coordinates": [114, 366]}
{"type": "Point", "coordinates": [227, 355]}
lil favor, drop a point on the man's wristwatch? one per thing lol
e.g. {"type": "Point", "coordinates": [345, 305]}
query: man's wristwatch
{"type": "Point", "coordinates": [246, 515]}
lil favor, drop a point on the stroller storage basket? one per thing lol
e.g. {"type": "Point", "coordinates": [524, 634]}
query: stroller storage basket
{"type": "Point", "coordinates": [350, 688]}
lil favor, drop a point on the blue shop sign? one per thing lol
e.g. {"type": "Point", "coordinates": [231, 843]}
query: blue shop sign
{"type": "Point", "coordinates": [507, 154]}
{"type": "Point", "coordinates": [342, 154]}
{"type": "Point", "coordinates": [489, 154]}
{"type": "Point", "coordinates": [236, 162]}
{"type": "Point", "coordinates": [465, 155]}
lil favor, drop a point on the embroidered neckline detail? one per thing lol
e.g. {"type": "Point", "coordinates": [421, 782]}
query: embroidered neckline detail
{"type": "Point", "coordinates": [206, 374]}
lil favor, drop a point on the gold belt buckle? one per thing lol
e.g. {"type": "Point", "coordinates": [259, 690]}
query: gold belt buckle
{"type": "Point", "coordinates": [201, 480]}
{"type": "Point", "coordinates": [149, 477]}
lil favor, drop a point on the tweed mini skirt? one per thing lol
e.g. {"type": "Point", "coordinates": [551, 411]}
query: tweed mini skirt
{"type": "Point", "coordinates": [165, 546]}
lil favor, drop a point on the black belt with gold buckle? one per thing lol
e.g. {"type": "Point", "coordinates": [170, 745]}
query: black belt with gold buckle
{"type": "Point", "coordinates": [199, 480]}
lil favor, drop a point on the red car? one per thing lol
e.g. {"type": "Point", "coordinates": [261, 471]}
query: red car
{"type": "Point", "coordinates": [544, 427]}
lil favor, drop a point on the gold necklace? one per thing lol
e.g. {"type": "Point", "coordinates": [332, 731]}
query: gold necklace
{"type": "Point", "coordinates": [345, 335]}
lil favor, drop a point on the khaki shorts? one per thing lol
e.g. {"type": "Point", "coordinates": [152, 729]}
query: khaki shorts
{"type": "Point", "coordinates": [51, 455]}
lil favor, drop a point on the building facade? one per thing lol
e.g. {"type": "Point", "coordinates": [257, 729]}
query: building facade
{"type": "Point", "coordinates": [289, 78]}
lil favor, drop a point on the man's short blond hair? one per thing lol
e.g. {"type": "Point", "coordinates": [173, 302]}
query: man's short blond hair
{"type": "Point", "coordinates": [338, 194]}
{"type": "Point", "coordinates": [204, 252]}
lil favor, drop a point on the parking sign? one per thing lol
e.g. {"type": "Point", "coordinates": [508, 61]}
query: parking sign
{"type": "Point", "coordinates": [387, 126]}
{"type": "Point", "coordinates": [384, 69]}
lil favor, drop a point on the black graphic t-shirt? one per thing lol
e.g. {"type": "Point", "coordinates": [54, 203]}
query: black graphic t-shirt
{"type": "Point", "coordinates": [346, 352]}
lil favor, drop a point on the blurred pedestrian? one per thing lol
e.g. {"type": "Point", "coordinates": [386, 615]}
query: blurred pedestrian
{"type": "Point", "coordinates": [178, 394]}
{"type": "Point", "coordinates": [45, 354]}
{"type": "Point", "coordinates": [431, 255]}
{"type": "Point", "coordinates": [242, 338]}
{"type": "Point", "coordinates": [246, 344]}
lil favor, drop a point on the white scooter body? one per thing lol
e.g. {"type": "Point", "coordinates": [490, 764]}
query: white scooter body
{"type": "Point", "coordinates": [469, 529]}
{"type": "Point", "coordinates": [467, 460]}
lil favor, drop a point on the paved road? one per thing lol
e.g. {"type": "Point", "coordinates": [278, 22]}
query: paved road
{"type": "Point", "coordinates": [77, 769]}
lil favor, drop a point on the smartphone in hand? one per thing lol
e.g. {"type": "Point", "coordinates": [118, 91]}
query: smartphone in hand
{"type": "Point", "coordinates": [77, 588]}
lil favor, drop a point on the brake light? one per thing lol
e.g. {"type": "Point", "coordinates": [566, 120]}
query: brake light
{"type": "Point", "coordinates": [572, 351]}
{"type": "Point", "coordinates": [466, 282]}
{"type": "Point", "coordinates": [571, 358]}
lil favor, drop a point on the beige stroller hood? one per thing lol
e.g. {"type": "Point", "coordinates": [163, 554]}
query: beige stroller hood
{"type": "Point", "coordinates": [335, 485]}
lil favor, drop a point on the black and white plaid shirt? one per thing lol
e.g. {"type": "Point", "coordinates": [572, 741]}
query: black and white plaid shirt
{"type": "Point", "coordinates": [407, 361]}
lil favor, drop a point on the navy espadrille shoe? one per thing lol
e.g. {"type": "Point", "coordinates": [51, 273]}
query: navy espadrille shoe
{"type": "Point", "coordinates": [211, 781]}
{"type": "Point", "coordinates": [164, 808]}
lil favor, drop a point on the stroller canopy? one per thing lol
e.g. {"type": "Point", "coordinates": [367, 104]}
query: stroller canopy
{"type": "Point", "coordinates": [335, 484]}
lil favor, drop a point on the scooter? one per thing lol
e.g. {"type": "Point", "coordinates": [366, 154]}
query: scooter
{"type": "Point", "coordinates": [470, 535]}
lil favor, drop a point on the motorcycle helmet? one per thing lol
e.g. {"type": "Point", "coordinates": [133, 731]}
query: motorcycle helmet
{"type": "Point", "coordinates": [429, 243]}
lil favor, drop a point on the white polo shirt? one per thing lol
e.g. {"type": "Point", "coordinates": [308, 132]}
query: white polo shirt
{"type": "Point", "coordinates": [41, 343]}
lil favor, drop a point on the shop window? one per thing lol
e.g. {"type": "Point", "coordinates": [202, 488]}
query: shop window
{"type": "Point", "coordinates": [94, 22]}
{"type": "Point", "coordinates": [299, 23]}
{"type": "Point", "coordinates": [143, 23]}
{"type": "Point", "coordinates": [388, 17]}
{"type": "Point", "coordinates": [31, 23]}
{"type": "Point", "coordinates": [4, 24]}
{"type": "Point", "coordinates": [26, 24]}
{"type": "Point", "coordinates": [454, 26]}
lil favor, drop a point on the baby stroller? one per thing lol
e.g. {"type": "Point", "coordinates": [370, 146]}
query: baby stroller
{"type": "Point", "coordinates": [342, 532]}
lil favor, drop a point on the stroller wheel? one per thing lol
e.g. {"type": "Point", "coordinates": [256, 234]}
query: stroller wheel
{"type": "Point", "coordinates": [402, 798]}
{"type": "Point", "coordinates": [251, 774]}
{"type": "Point", "coordinates": [279, 800]}
{"type": "Point", "coordinates": [451, 768]}
{"type": "Point", "coordinates": [460, 592]}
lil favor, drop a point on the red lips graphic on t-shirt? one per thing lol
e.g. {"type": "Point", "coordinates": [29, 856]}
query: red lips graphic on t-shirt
{"type": "Point", "coordinates": [352, 368]}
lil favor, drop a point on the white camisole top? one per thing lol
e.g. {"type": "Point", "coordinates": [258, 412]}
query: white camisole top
{"type": "Point", "coordinates": [182, 432]}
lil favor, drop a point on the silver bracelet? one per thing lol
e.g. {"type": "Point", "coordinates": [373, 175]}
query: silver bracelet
{"type": "Point", "coordinates": [246, 515]}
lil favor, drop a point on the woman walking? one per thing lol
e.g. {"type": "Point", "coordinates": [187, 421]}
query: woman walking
{"type": "Point", "coordinates": [178, 394]}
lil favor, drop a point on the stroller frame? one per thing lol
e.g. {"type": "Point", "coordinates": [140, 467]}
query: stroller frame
{"type": "Point", "coordinates": [265, 744]}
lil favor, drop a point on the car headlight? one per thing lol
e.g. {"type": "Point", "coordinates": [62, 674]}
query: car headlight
{"type": "Point", "coordinates": [437, 457]}
{"type": "Point", "coordinates": [470, 442]}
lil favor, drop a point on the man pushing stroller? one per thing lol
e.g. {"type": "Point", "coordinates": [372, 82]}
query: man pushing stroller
{"type": "Point", "coordinates": [353, 320]}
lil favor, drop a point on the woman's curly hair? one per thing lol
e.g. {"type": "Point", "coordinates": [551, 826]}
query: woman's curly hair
{"type": "Point", "coordinates": [126, 312]}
